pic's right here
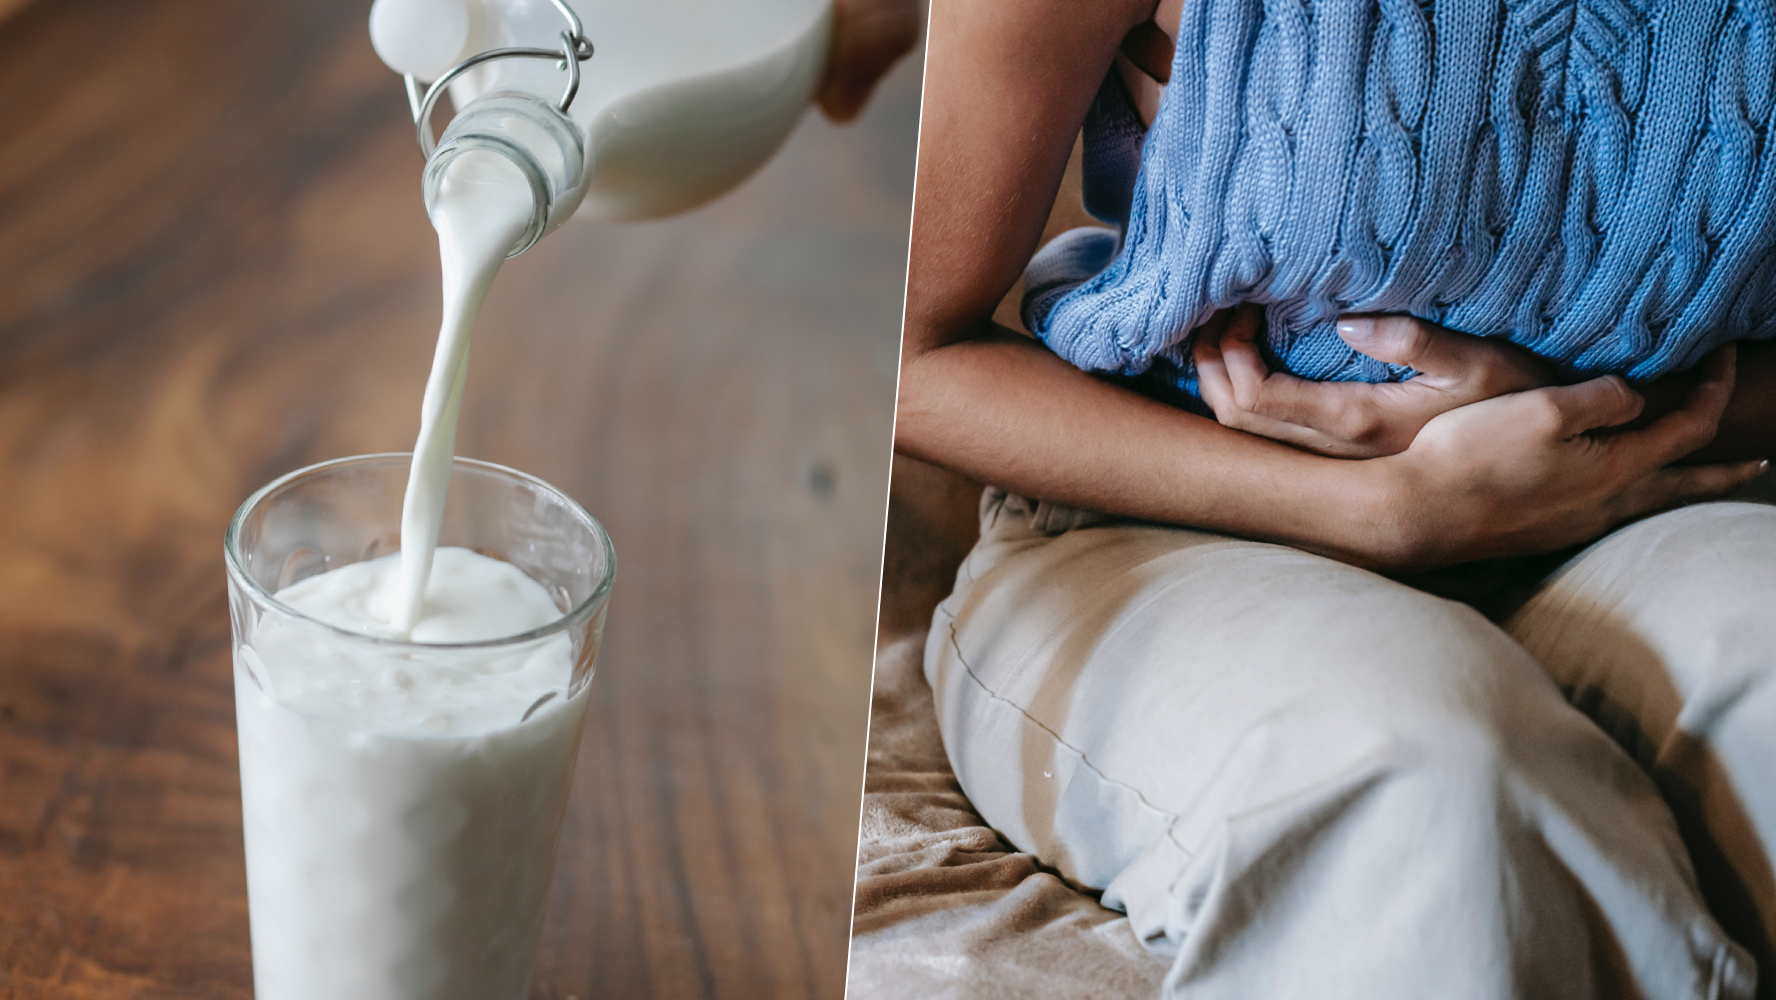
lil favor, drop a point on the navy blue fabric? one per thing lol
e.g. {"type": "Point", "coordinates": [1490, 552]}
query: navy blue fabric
{"type": "Point", "coordinates": [1592, 180]}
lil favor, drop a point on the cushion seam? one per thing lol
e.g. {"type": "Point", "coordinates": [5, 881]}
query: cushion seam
{"type": "Point", "coordinates": [1084, 758]}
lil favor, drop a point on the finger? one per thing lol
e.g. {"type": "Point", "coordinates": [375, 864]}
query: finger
{"type": "Point", "coordinates": [1485, 367]}
{"type": "Point", "coordinates": [869, 36]}
{"type": "Point", "coordinates": [1209, 349]}
{"type": "Point", "coordinates": [1347, 410]}
{"type": "Point", "coordinates": [1212, 381]}
{"type": "Point", "coordinates": [1219, 348]}
{"type": "Point", "coordinates": [1695, 422]}
{"type": "Point", "coordinates": [1247, 370]}
{"type": "Point", "coordinates": [1570, 410]}
{"type": "Point", "coordinates": [1677, 485]}
{"type": "Point", "coordinates": [1344, 411]}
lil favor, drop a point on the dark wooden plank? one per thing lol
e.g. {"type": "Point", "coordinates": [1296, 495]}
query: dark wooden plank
{"type": "Point", "coordinates": [214, 267]}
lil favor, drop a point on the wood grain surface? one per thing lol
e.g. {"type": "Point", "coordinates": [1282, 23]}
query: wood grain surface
{"type": "Point", "coordinates": [215, 268]}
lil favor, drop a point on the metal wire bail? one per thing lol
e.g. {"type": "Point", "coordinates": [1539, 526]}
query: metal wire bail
{"type": "Point", "coordinates": [575, 48]}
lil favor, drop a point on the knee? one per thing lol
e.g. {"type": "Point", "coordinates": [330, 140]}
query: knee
{"type": "Point", "coordinates": [1408, 769]}
{"type": "Point", "coordinates": [1465, 727]}
{"type": "Point", "coordinates": [1708, 568]}
{"type": "Point", "coordinates": [1675, 608]}
{"type": "Point", "coordinates": [1439, 766]}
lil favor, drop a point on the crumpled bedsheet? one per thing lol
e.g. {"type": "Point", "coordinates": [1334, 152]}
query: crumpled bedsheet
{"type": "Point", "coordinates": [947, 909]}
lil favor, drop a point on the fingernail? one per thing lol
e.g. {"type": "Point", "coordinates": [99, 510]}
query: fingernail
{"type": "Point", "coordinates": [1356, 328]}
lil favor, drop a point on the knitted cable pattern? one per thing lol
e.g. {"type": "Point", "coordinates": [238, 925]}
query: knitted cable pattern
{"type": "Point", "coordinates": [1589, 179]}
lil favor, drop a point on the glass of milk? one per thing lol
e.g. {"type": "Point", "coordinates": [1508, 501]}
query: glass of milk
{"type": "Point", "coordinates": [402, 796]}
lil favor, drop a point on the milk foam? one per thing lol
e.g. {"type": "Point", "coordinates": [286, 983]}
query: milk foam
{"type": "Point", "coordinates": [385, 689]}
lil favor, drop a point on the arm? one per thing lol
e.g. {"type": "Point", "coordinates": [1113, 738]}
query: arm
{"type": "Point", "coordinates": [1007, 88]}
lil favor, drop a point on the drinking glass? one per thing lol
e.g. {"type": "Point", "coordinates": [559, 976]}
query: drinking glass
{"type": "Point", "coordinates": [381, 864]}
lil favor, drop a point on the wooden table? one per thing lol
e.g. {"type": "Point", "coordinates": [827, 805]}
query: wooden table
{"type": "Point", "coordinates": [215, 268]}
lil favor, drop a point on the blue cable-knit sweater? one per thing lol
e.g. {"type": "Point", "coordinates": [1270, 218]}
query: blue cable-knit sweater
{"type": "Point", "coordinates": [1591, 179]}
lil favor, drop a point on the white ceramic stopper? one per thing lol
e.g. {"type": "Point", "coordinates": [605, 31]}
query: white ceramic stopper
{"type": "Point", "coordinates": [421, 37]}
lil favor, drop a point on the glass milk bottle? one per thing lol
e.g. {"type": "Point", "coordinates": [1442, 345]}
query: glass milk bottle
{"type": "Point", "coordinates": [665, 105]}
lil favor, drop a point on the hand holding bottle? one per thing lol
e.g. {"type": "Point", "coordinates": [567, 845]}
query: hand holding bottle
{"type": "Point", "coordinates": [869, 37]}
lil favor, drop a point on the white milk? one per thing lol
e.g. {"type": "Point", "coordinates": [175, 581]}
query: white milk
{"type": "Point", "coordinates": [400, 807]}
{"type": "Point", "coordinates": [481, 210]}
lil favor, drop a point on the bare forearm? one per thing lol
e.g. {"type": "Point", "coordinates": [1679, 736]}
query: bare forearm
{"type": "Point", "coordinates": [1001, 409]}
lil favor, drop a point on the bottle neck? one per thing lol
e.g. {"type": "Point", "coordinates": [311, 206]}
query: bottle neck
{"type": "Point", "coordinates": [545, 146]}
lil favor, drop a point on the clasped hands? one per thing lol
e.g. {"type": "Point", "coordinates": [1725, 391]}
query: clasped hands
{"type": "Point", "coordinates": [1485, 452]}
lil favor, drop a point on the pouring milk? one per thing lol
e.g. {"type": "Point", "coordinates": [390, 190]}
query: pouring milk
{"type": "Point", "coordinates": [480, 211]}
{"type": "Point", "coordinates": [401, 802]}
{"type": "Point", "coordinates": [682, 100]}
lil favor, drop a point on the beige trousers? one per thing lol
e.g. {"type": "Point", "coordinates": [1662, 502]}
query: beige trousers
{"type": "Point", "coordinates": [1305, 780]}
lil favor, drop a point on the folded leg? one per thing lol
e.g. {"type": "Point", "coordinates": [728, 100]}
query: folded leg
{"type": "Point", "coordinates": [1665, 632]}
{"type": "Point", "coordinates": [1304, 780]}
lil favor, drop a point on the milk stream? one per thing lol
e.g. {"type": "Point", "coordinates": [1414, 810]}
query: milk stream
{"type": "Point", "coordinates": [481, 210]}
{"type": "Point", "coordinates": [401, 803]}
